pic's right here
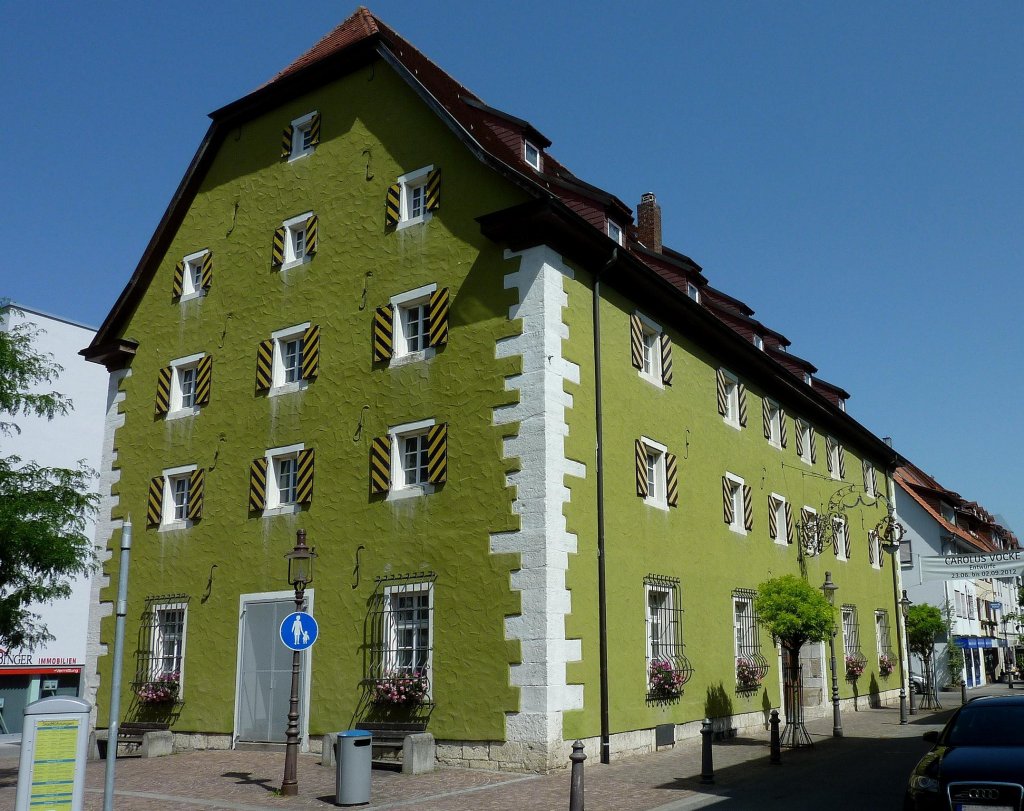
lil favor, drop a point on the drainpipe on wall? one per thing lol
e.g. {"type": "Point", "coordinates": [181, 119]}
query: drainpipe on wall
{"type": "Point", "coordinates": [602, 603]}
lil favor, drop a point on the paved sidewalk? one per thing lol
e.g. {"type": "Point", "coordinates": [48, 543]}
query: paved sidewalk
{"type": "Point", "coordinates": [664, 781]}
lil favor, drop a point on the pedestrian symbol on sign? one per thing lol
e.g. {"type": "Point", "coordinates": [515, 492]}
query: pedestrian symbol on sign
{"type": "Point", "coordinates": [299, 631]}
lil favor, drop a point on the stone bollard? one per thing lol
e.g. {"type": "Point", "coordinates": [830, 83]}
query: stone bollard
{"type": "Point", "coordinates": [776, 747]}
{"type": "Point", "coordinates": [576, 781]}
{"type": "Point", "coordinates": [963, 692]}
{"type": "Point", "coordinates": [707, 767]}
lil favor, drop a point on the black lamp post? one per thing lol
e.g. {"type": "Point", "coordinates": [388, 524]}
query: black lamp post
{"type": "Point", "coordinates": [905, 603]}
{"type": "Point", "coordinates": [829, 589]}
{"type": "Point", "coordinates": [890, 533]}
{"type": "Point", "coordinates": [300, 575]}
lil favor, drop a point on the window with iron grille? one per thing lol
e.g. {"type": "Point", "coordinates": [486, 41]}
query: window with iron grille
{"type": "Point", "coordinates": [751, 666]}
{"type": "Point", "coordinates": [160, 656]}
{"type": "Point", "coordinates": [882, 633]}
{"type": "Point", "coordinates": [855, 659]}
{"type": "Point", "coordinates": [667, 666]}
{"type": "Point", "coordinates": [402, 627]}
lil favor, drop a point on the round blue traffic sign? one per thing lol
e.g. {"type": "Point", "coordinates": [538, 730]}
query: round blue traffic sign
{"type": "Point", "coordinates": [299, 631]}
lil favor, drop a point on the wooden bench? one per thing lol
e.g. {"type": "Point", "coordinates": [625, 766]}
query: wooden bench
{"type": "Point", "coordinates": [389, 740]}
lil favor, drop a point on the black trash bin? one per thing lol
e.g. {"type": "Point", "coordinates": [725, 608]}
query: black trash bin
{"type": "Point", "coordinates": [354, 760]}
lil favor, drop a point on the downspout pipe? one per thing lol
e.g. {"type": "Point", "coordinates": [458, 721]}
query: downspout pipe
{"type": "Point", "coordinates": [602, 592]}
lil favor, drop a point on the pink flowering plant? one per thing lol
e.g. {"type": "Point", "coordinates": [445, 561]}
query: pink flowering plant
{"type": "Point", "coordinates": [854, 667]}
{"type": "Point", "coordinates": [885, 664]}
{"type": "Point", "coordinates": [162, 690]}
{"type": "Point", "coordinates": [401, 689]}
{"type": "Point", "coordinates": [748, 674]}
{"type": "Point", "coordinates": [664, 681]}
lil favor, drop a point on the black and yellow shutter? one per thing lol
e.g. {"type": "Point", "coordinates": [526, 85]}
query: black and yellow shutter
{"type": "Point", "coordinates": [773, 518]}
{"type": "Point", "coordinates": [314, 130]}
{"type": "Point", "coordinates": [748, 507]}
{"type": "Point", "coordinates": [264, 365]}
{"type": "Point", "coordinates": [641, 469]}
{"type": "Point", "coordinates": [814, 446]}
{"type": "Point", "coordinates": [666, 359]}
{"type": "Point", "coordinates": [312, 237]}
{"type": "Point", "coordinates": [799, 440]}
{"type": "Point", "coordinates": [311, 353]}
{"type": "Point", "coordinates": [437, 314]}
{"type": "Point", "coordinates": [393, 205]}
{"type": "Point", "coordinates": [380, 464]}
{"type": "Point", "coordinates": [383, 333]}
{"type": "Point", "coordinates": [723, 394]}
{"type": "Point", "coordinates": [727, 506]}
{"type": "Point", "coordinates": [766, 415]}
{"type": "Point", "coordinates": [783, 432]}
{"type": "Point", "coordinates": [196, 491]}
{"type": "Point", "coordinates": [304, 477]}
{"type": "Point", "coordinates": [636, 341]}
{"type": "Point", "coordinates": [437, 453]}
{"type": "Point", "coordinates": [829, 445]}
{"type": "Point", "coordinates": [258, 484]}
{"type": "Point", "coordinates": [789, 522]}
{"type": "Point", "coordinates": [206, 271]}
{"type": "Point", "coordinates": [671, 480]}
{"type": "Point", "coordinates": [741, 393]}
{"type": "Point", "coordinates": [434, 190]}
{"type": "Point", "coordinates": [286, 141]}
{"type": "Point", "coordinates": [178, 285]}
{"type": "Point", "coordinates": [204, 380]}
{"type": "Point", "coordinates": [277, 248]}
{"type": "Point", "coordinates": [163, 390]}
{"type": "Point", "coordinates": [155, 502]}
{"type": "Point", "coordinates": [842, 462]}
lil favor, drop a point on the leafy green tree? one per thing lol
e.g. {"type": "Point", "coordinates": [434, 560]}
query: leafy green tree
{"type": "Point", "coordinates": [43, 510]}
{"type": "Point", "coordinates": [924, 623]}
{"type": "Point", "coordinates": [954, 655]}
{"type": "Point", "coordinates": [794, 612]}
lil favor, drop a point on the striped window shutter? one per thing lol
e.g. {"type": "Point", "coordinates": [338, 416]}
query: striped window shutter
{"type": "Point", "coordinates": [766, 415]}
{"type": "Point", "coordinates": [304, 476]}
{"type": "Point", "coordinates": [666, 359]}
{"type": "Point", "coordinates": [748, 507]}
{"type": "Point", "coordinates": [204, 380]}
{"type": "Point", "coordinates": [179, 280]}
{"type": "Point", "coordinates": [434, 190]}
{"type": "Point", "coordinates": [277, 249]}
{"type": "Point", "coordinates": [842, 462]}
{"type": "Point", "coordinates": [314, 130]}
{"type": "Point", "coordinates": [163, 390]}
{"type": "Point", "coordinates": [829, 445]}
{"type": "Point", "coordinates": [206, 271]}
{"type": "Point", "coordinates": [258, 484]}
{"type": "Point", "coordinates": [773, 519]}
{"type": "Point", "coordinates": [806, 516]}
{"type": "Point", "coordinates": [871, 547]}
{"type": "Point", "coordinates": [312, 242]}
{"type": "Point", "coordinates": [196, 489]}
{"type": "Point", "coordinates": [672, 479]}
{"type": "Point", "coordinates": [286, 141]}
{"type": "Point", "coordinates": [437, 453]}
{"type": "Point", "coordinates": [814, 445]}
{"type": "Point", "coordinates": [437, 315]}
{"type": "Point", "coordinates": [727, 511]}
{"type": "Point", "coordinates": [783, 431]}
{"type": "Point", "coordinates": [636, 341]}
{"type": "Point", "coordinates": [264, 365]}
{"type": "Point", "coordinates": [393, 205]}
{"type": "Point", "coordinates": [641, 469]}
{"type": "Point", "coordinates": [383, 333]}
{"type": "Point", "coordinates": [380, 464]}
{"type": "Point", "coordinates": [723, 395]}
{"type": "Point", "coordinates": [742, 396]}
{"type": "Point", "coordinates": [847, 546]}
{"type": "Point", "coordinates": [789, 522]}
{"type": "Point", "coordinates": [155, 502]}
{"type": "Point", "coordinates": [311, 353]}
{"type": "Point", "coordinates": [799, 439]}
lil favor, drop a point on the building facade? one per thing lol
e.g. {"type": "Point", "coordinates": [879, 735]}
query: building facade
{"type": "Point", "coordinates": [544, 463]}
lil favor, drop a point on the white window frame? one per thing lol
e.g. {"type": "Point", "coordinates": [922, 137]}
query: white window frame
{"type": "Point", "coordinates": [274, 457]}
{"type": "Point", "coordinates": [408, 183]}
{"type": "Point", "coordinates": [875, 542]}
{"type": "Point", "coordinates": [870, 477]}
{"type": "Point", "coordinates": [775, 424]}
{"type": "Point", "coordinates": [614, 231]}
{"type": "Point", "coordinates": [532, 155]}
{"type": "Point", "coordinates": [192, 265]}
{"type": "Point", "coordinates": [882, 624]}
{"type": "Point", "coordinates": [657, 491]}
{"type": "Point", "coordinates": [650, 348]}
{"type": "Point", "coordinates": [806, 438]}
{"type": "Point", "coordinates": [693, 291]}
{"type": "Point", "coordinates": [807, 378]}
{"type": "Point", "coordinates": [743, 625]}
{"type": "Point", "coordinates": [781, 527]}
{"type": "Point", "coordinates": [840, 531]}
{"type": "Point", "coordinates": [732, 400]}
{"type": "Point", "coordinates": [400, 308]}
{"type": "Point", "coordinates": [281, 339]}
{"type": "Point", "coordinates": [391, 630]}
{"type": "Point", "coordinates": [172, 475]}
{"type": "Point", "coordinates": [736, 495]}
{"type": "Point", "coordinates": [813, 512]}
{"type": "Point", "coordinates": [667, 611]}
{"type": "Point", "coordinates": [156, 644]}
{"type": "Point", "coordinates": [292, 227]}
{"type": "Point", "coordinates": [399, 488]}
{"type": "Point", "coordinates": [175, 409]}
{"type": "Point", "coordinates": [301, 127]}
{"type": "Point", "coordinates": [849, 629]}
{"type": "Point", "coordinates": [833, 462]}
{"type": "Point", "coordinates": [758, 341]}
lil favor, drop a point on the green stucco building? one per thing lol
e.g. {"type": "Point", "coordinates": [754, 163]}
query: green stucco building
{"type": "Point", "coordinates": [544, 463]}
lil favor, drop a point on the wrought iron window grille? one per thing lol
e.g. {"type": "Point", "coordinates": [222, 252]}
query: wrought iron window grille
{"type": "Point", "coordinates": [852, 654]}
{"type": "Point", "coordinates": [668, 668]}
{"type": "Point", "coordinates": [159, 654]}
{"type": "Point", "coordinates": [751, 665]}
{"type": "Point", "coordinates": [401, 639]}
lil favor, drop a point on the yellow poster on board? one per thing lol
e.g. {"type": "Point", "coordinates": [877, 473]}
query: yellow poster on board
{"type": "Point", "coordinates": [53, 765]}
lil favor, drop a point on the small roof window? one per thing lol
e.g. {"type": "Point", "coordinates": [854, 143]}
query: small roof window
{"type": "Point", "coordinates": [531, 155]}
{"type": "Point", "coordinates": [615, 232]}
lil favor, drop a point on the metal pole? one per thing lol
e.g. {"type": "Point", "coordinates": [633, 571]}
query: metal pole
{"type": "Point", "coordinates": [121, 612]}
{"type": "Point", "coordinates": [707, 766]}
{"type": "Point", "coordinates": [837, 721]}
{"type": "Point", "coordinates": [963, 691]}
{"type": "Point", "coordinates": [899, 636]}
{"type": "Point", "coordinates": [776, 746]}
{"type": "Point", "coordinates": [290, 783]}
{"type": "Point", "coordinates": [576, 781]}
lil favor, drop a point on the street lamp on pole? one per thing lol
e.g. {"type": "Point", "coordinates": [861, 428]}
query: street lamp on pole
{"type": "Point", "coordinates": [905, 603]}
{"type": "Point", "coordinates": [829, 589]}
{"type": "Point", "coordinates": [300, 575]}
{"type": "Point", "coordinates": [890, 532]}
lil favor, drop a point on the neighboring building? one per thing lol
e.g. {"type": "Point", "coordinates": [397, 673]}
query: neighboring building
{"type": "Point", "coordinates": [540, 457]}
{"type": "Point", "coordinates": [55, 668]}
{"type": "Point", "coordinates": [941, 522]}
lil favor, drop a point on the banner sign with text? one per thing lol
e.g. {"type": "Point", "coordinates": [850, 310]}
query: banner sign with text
{"type": "Point", "coordinates": [968, 567]}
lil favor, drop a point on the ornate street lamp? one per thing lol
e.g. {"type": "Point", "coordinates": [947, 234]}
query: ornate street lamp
{"type": "Point", "coordinates": [890, 532]}
{"type": "Point", "coordinates": [829, 589]}
{"type": "Point", "coordinates": [300, 575]}
{"type": "Point", "coordinates": [905, 603]}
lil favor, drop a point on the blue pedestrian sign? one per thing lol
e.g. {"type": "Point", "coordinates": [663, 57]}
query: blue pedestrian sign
{"type": "Point", "coordinates": [299, 631]}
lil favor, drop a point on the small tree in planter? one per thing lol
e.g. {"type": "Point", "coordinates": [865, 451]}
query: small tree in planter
{"type": "Point", "coordinates": [924, 623]}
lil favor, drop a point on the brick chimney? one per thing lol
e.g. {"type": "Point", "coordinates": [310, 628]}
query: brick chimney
{"type": "Point", "coordinates": [648, 222]}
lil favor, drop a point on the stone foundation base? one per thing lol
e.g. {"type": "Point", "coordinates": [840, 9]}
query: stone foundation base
{"type": "Point", "coordinates": [200, 741]}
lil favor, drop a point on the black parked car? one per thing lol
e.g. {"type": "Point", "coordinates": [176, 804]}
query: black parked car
{"type": "Point", "coordinates": [977, 763]}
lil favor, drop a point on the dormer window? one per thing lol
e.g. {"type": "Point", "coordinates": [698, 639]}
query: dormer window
{"type": "Point", "coordinates": [531, 155]}
{"type": "Point", "coordinates": [693, 292]}
{"type": "Point", "coordinates": [759, 342]}
{"type": "Point", "coordinates": [615, 232]}
{"type": "Point", "coordinates": [807, 378]}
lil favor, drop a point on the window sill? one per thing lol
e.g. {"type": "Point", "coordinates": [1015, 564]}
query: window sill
{"type": "Point", "coordinates": [656, 503]}
{"type": "Point", "coordinates": [288, 388]}
{"type": "Point", "coordinates": [732, 423]}
{"type": "Point", "coordinates": [283, 509]}
{"type": "Point", "coordinates": [294, 263]}
{"type": "Point", "coordinates": [195, 294]}
{"type": "Point", "coordinates": [737, 530]}
{"type": "Point", "coordinates": [174, 526]}
{"type": "Point", "coordinates": [300, 155]}
{"type": "Point", "coordinates": [412, 357]}
{"type": "Point", "coordinates": [410, 491]}
{"type": "Point", "coordinates": [652, 379]}
{"type": "Point", "coordinates": [182, 413]}
{"type": "Point", "coordinates": [413, 221]}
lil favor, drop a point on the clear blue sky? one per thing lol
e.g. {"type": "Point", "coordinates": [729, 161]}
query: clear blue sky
{"type": "Point", "coordinates": [854, 171]}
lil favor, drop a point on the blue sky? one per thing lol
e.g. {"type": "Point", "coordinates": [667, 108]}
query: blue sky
{"type": "Point", "coordinates": [854, 172]}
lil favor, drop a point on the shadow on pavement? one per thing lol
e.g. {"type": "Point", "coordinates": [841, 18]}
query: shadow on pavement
{"type": "Point", "coordinates": [246, 779]}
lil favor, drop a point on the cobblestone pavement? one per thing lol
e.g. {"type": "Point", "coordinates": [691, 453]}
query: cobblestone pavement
{"type": "Point", "coordinates": [668, 780]}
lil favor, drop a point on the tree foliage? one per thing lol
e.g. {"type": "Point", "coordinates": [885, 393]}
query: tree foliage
{"type": "Point", "coordinates": [793, 611]}
{"type": "Point", "coordinates": [43, 511]}
{"type": "Point", "coordinates": [924, 623]}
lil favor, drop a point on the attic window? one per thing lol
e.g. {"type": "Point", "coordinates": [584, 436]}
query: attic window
{"type": "Point", "coordinates": [531, 155]}
{"type": "Point", "coordinates": [807, 378]}
{"type": "Point", "coordinates": [759, 342]}
{"type": "Point", "coordinates": [693, 292]}
{"type": "Point", "coordinates": [615, 232]}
